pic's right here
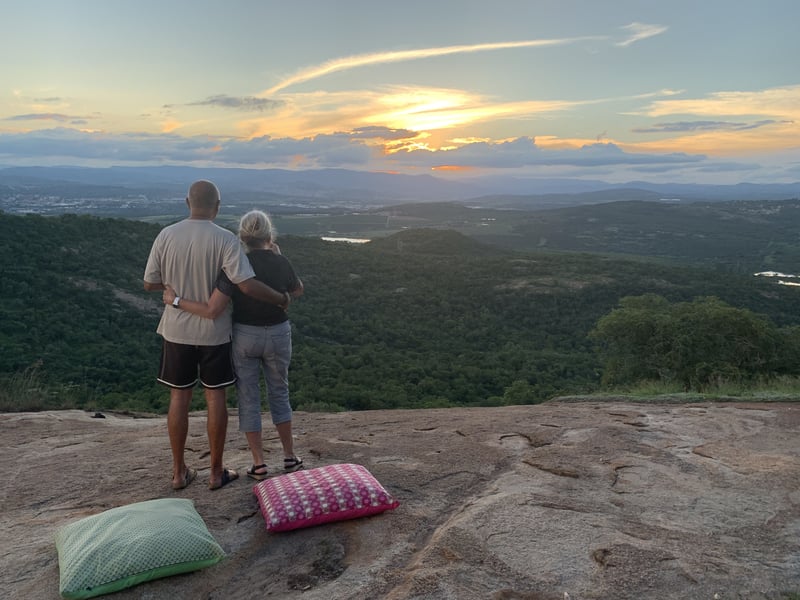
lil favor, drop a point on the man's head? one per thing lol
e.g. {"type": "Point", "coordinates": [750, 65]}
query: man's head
{"type": "Point", "coordinates": [203, 200]}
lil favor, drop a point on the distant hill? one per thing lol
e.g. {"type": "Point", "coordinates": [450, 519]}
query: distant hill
{"type": "Point", "coordinates": [739, 236]}
{"type": "Point", "coordinates": [560, 200]}
{"type": "Point", "coordinates": [745, 237]}
{"type": "Point", "coordinates": [149, 191]}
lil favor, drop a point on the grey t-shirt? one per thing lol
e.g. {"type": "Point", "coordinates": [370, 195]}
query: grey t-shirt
{"type": "Point", "coordinates": [188, 256]}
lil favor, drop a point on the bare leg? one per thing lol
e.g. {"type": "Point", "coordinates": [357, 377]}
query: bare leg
{"type": "Point", "coordinates": [254, 440]}
{"type": "Point", "coordinates": [285, 433]}
{"type": "Point", "coordinates": [217, 427]}
{"type": "Point", "coordinates": [178, 428]}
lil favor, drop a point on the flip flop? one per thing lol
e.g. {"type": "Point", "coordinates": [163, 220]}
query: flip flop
{"type": "Point", "coordinates": [228, 475]}
{"type": "Point", "coordinates": [188, 477]}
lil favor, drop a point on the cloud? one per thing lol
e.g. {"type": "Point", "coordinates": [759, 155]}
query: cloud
{"type": "Point", "coordinates": [336, 150]}
{"type": "Point", "coordinates": [360, 60]}
{"type": "Point", "coordinates": [382, 133]}
{"type": "Point", "coordinates": [683, 126]}
{"type": "Point", "coordinates": [406, 111]}
{"type": "Point", "coordinates": [704, 167]}
{"type": "Point", "coordinates": [61, 118]}
{"type": "Point", "coordinates": [733, 167]}
{"type": "Point", "coordinates": [640, 31]}
{"type": "Point", "coordinates": [92, 147]}
{"type": "Point", "coordinates": [344, 150]}
{"type": "Point", "coordinates": [523, 152]}
{"type": "Point", "coordinates": [247, 103]}
{"type": "Point", "coordinates": [777, 102]}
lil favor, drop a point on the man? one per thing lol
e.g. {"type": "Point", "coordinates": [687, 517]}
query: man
{"type": "Point", "coordinates": [188, 256]}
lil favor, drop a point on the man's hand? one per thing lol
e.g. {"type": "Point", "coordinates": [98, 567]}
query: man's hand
{"type": "Point", "coordinates": [298, 291]}
{"type": "Point", "coordinates": [285, 304]}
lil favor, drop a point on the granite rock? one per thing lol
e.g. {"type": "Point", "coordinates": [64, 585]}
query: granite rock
{"type": "Point", "coordinates": [578, 500]}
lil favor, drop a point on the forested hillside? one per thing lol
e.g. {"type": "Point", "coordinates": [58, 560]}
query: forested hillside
{"type": "Point", "coordinates": [739, 236]}
{"type": "Point", "coordinates": [422, 318]}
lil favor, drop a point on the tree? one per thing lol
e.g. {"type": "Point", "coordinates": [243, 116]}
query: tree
{"type": "Point", "coordinates": [697, 343]}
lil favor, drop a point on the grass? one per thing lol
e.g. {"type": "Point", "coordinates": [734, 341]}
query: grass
{"type": "Point", "coordinates": [23, 392]}
{"type": "Point", "coordinates": [777, 389]}
{"type": "Point", "coordinates": [26, 392]}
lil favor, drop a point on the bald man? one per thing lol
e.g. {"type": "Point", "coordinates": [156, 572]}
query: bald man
{"type": "Point", "coordinates": [188, 256]}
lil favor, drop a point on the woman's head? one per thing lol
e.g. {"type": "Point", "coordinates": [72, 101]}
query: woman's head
{"type": "Point", "coordinates": [255, 229]}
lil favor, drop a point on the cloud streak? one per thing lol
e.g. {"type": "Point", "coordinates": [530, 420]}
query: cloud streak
{"type": "Point", "coordinates": [361, 60]}
{"type": "Point", "coordinates": [637, 32]}
{"type": "Point", "coordinates": [245, 103]}
{"type": "Point", "coordinates": [682, 126]}
{"type": "Point", "coordinates": [58, 117]}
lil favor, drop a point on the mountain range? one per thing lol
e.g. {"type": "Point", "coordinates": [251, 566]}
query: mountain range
{"type": "Point", "coordinates": [332, 188]}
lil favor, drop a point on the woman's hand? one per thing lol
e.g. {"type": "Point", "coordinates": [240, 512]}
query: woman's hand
{"type": "Point", "coordinates": [168, 295]}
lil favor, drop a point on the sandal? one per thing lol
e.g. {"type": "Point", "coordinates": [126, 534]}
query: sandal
{"type": "Point", "coordinates": [253, 472]}
{"type": "Point", "coordinates": [228, 475]}
{"type": "Point", "coordinates": [292, 464]}
{"type": "Point", "coordinates": [188, 477]}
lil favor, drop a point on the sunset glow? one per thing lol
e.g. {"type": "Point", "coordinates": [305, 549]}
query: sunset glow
{"type": "Point", "coordinates": [592, 90]}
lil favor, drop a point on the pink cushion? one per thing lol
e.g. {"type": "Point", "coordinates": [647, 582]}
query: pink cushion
{"type": "Point", "coordinates": [321, 495]}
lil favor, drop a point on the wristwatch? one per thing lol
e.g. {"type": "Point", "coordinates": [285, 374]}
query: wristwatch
{"type": "Point", "coordinates": [176, 302]}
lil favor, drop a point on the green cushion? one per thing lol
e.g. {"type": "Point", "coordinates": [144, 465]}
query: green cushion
{"type": "Point", "coordinates": [129, 545]}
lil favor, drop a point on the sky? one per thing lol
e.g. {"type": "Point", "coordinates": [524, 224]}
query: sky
{"type": "Point", "coordinates": [673, 91]}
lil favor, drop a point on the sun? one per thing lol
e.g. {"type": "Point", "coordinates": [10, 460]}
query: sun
{"type": "Point", "coordinates": [422, 109]}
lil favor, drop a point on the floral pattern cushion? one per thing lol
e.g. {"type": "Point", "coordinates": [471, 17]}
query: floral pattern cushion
{"type": "Point", "coordinates": [322, 495]}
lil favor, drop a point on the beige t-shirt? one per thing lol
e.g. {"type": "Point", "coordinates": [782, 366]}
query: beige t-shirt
{"type": "Point", "coordinates": [188, 256]}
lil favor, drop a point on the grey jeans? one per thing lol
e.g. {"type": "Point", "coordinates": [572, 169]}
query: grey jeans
{"type": "Point", "coordinates": [256, 351]}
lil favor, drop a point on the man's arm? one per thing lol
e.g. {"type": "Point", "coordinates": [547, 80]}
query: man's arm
{"type": "Point", "coordinates": [260, 291]}
{"type": "Point", "coordinates": [153, 287]}
{"type": "Point", "coordinates": [298, 291]}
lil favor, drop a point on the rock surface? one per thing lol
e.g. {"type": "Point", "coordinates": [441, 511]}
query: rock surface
{"type": "Point", "coordinates": [578, 500]}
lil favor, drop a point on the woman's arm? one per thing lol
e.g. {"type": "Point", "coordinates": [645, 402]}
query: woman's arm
{"type": "Point", "coordinates": [209, 310]}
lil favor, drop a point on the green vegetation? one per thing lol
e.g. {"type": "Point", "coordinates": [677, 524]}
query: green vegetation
{"type": "Point", "coordinates": [741, 237]}
{"type": "Point", "coordinates": [698, 345]}
{"type": "Point", "coordinates": [421, 318]}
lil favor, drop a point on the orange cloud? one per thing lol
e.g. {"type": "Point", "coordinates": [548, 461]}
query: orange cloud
{"type": "Point", "coordinates": [777, 137]}
{"type": "Point", "coordinates": [170, 125]}
{"type": "Point", "coordinates": [453, 168]}
{"type": "Point", "coordinates": [781, 102]}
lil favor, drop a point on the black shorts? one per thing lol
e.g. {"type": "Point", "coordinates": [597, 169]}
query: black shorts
{"type": "Point", "coordinates": [182, 365]}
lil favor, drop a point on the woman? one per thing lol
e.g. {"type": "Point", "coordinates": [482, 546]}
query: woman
{"type": "Point", "coordinates": [262, 339]}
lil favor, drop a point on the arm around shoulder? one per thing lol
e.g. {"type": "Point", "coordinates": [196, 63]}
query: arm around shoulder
{"type": "Point", "coordinates": [260, 291]}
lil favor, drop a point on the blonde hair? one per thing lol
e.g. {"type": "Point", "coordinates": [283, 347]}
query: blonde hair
{"type": "Point", "coordinates": [255, 229]}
